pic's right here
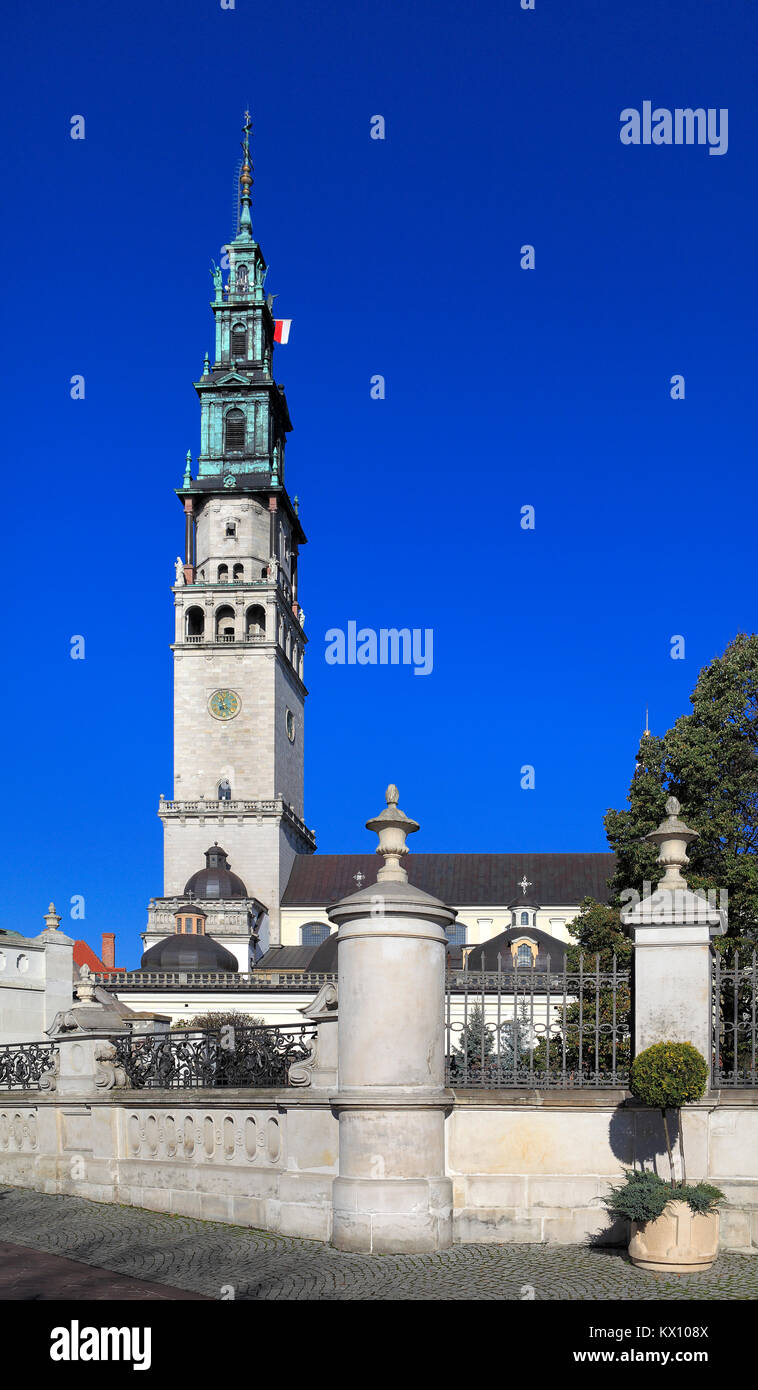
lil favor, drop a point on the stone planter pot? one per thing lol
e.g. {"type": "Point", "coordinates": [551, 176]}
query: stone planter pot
{"type": "Point", "coordinates": [679, 1241]}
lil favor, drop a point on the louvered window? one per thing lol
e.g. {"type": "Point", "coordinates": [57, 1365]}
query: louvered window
{"type": "Point", "coordinates": [239, 344]}
{"type": "Point", "coordinates": [235, 430]}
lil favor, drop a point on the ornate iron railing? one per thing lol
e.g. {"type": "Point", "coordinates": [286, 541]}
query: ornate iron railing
{"type": "Point", "coordinates": [535, 1027]}
{"type": "Point", "coordinates": [22, 1065]}
{"type": "Point", "coordinates": [256, 1057]}
{"type": "Point", "coordinates": [735, 994]}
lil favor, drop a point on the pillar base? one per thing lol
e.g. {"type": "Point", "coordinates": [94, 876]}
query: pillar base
{"type": "Point", "coordinates": [392, 1216]}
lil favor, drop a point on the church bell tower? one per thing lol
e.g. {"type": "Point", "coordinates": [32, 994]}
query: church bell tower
{"type": "Point", "coordinates": [239, 637]}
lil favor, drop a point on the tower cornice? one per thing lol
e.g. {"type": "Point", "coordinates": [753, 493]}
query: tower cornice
{"type": "Point", "coordinates": [246, 485]}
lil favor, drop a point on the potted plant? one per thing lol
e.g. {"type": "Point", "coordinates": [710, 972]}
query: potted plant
{"type": "Point", "coordinates": [675, 1224]}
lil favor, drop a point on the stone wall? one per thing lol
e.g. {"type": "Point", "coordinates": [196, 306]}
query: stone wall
{"type": "Point", "coordinates": [523, 1168]}
{"type": "Point", "coordinates": [529, 1167]}
{"type": "Point", "coordinates": [256, 1158]}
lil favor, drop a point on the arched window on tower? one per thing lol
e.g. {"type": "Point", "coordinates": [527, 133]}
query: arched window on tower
{"type": "Point", "coordinates": [235, 431]}
{"type": "Point", "coordinates": [225, 625]}
{"type": "Point", "coordinates": [223, 574]}
{"type": "Point", "coordinates": [525, 919]}
{"type": "Point", "coordinates": [242, 279]}
{"type": "Point", "coordinates": [195, 624]}
{"type": "Point", "coordinates": [239, 342]}
{"type": "Point", "coordinates": [255, 623]}
{"type": "Point", "coordinates": [224, 791]}
{"type": "Point", "coordinates": [238, 574]}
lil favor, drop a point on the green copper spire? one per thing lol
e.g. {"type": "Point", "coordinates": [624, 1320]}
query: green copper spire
{"type": "Point", "coordinates": [246, 181]}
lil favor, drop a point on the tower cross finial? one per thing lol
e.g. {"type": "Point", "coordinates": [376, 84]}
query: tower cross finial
{"type": "Point", "coordinates": [246, 180]}
{"type": "Point", "coordinates": [524, 883]}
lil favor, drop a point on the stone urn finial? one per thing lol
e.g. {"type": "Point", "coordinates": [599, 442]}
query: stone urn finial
{"type": "Point", "coordinates": [392, 826]}
{"type": "Point", "coordinates": [85, 987]}
{"type": "Point", "coordinates": [672, 837]}
{"type": "Point", "coordinates": [52, 919]}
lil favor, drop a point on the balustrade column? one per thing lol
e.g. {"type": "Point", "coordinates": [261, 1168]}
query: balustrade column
{"type": "Point", "coordinates": [392, 1193]}
{"type": "Point", "coordinates": [673, 928]}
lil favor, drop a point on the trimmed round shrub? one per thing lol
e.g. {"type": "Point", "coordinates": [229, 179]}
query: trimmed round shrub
{"type": "Point", "coordinates": [668, 1074]}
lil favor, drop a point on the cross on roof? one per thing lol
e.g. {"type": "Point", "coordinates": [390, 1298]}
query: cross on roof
{"type": "Point", "coordinates": [359, 878]}
{"type": "Point", "coordinates": [524, 883]}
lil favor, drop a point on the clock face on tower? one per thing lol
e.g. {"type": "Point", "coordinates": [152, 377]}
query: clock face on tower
{"type": "Point", "coordinates": [224, 704]}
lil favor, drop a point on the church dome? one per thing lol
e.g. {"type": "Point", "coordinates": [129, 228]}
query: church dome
{"type": "Point", "coordinates": [549, 948]}
{"type": "Point", "coordinates": [188, 953]}
{"type": "Point", "coordinates": [216, 880]}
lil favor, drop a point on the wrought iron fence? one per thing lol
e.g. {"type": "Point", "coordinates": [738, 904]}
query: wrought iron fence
{"type": "Point", "coordinates": [530, 1026]}
{"type": "Point", "coordinates": [22, 1065]}
{"type": "Point", "coordinates": [255, 1056]}
{"type": "Point", "coordinates": [734, 1020]}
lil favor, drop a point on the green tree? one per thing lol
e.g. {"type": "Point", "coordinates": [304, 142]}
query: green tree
{"type": "Point", "coordinates": [636, 861]}
{"type": "Point", "coordinates": [709, 761]}
{"type": "Point", "coordinates": [597, 930]}
{"type": "Point", "coordinates": [478, 1041]}
{"type": "Point", "coordinates": [213, 1022]}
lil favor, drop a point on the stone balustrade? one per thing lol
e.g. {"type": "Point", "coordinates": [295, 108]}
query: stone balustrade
{"type": "Point", "coordinates": [261, 981]}
{"type": "Point", "coordinates": [275, 806]}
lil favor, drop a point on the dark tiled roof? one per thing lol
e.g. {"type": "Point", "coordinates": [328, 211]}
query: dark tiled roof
{"type": "Point", "coordinates": [287, 958]}
{"type": "Point", "coordinates": [461, 880]}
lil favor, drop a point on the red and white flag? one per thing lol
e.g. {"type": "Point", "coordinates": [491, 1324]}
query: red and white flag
{"type": "Point", "coordinates": [282, 330]}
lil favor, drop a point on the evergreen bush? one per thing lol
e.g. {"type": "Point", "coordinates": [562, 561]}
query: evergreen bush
{"type": "Point", "coordinates": [643, 1196]}
{"type": "Point", "coordinates": [668, 1075]}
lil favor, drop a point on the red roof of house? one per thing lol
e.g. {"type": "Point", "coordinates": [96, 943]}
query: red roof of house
{"type": "Point", "coordinates": [84, 955]}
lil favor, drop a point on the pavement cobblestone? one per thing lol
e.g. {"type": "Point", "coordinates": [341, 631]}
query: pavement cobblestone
{"type": "Point", "coordinates": [207, 1257]}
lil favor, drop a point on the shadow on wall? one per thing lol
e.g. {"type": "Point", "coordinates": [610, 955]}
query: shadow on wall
{"type": "Point", "coordinates": [637, 1140]}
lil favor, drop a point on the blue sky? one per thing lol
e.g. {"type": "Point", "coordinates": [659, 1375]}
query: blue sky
{"type": "Point", "coordinates": [503, 388]}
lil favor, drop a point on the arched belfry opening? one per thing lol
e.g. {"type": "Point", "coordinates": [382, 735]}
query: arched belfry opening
{"type": "Point", "coordinates": [195, 623]}
{"type": "Point", "coordinates": [255, 623]}
{"type": "Point", "coordinates": [225, 624]}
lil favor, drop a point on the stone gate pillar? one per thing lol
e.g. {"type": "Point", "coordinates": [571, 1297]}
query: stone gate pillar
{"type": "Point", "coordinates": [673, 928]}
{"type": "Point", "coordinates": [392, 1194]}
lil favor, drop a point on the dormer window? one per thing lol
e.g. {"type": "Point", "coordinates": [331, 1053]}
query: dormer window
{"type": "Point", "coordinates": [525, 919]}
{"type": "Point", "coordinates": [190, 922]}
{"type": "Point", "coordinates": [235, 431]}
{"type": "Point", "coordinates": [239, 342]}
{"type": "Point", "coordinates": [524, 955]}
